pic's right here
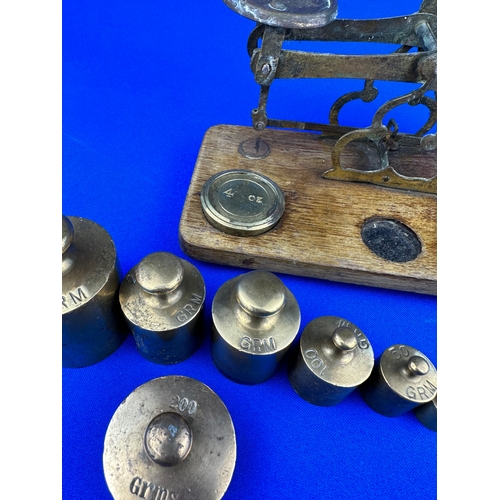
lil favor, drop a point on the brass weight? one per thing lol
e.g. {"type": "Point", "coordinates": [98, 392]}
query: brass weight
{"type": "Point", "coordinates": [172, 438]}
{"type": "Point", "coordinates": [402, 379]}
{"type": "Point", "coordinates": [255, 320]}
{"type": "Point", "coordinates": [93, 326]}
{"type": "Point", "coordinates": [162, 298]}
{"type": "Point", "coordinates": [334, 357]}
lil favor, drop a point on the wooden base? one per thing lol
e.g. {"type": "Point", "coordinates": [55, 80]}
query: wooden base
{"type": "Point", "coordinates": [319, 233]}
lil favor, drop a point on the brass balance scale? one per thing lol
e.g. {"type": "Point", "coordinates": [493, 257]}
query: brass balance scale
{"type": "Point", "coordinates": [360, 203]}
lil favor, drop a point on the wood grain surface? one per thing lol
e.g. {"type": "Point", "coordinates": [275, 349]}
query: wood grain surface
{"type": "Point", "coordinates": [319, 233]}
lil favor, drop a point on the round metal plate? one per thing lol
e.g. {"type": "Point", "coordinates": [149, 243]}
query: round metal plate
{"type": "Point", "coordinates": [171, 438]}
{"type": "Point", "coordinates": [287, 13]}
{"type": "Point", "coordinates": [242, 203]}
{"type": "Point", "coordinates": [391, 240]}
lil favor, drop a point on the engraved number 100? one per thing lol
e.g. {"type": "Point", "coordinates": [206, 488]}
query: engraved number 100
{"type": "Point", "coordinates": [316, 362]}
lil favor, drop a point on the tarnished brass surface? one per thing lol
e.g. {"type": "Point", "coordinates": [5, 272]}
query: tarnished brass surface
{"type": "Point", "coordinates": [402, 379]}
{"type": "Point", "coordinates": [255, 320]}
{"type": "Point", "coordinates": [394, 67]}
{"type": "Point", "coordinates": [427, 413]}
{"type": "Point", "coordinates": [93, 326]}
{"type": "Point", "coordinates": [333, 358]}
{"type": "Point", "coordinates": [241, 202]}
{"type": "Point", "coordinates": [162, 298]}
{"type": "Point", "coordinates": [172, 438]}
{"type": "Point", "coordinates": [413, 62]}
{"type": "Point", "coordinates": [287, 13]}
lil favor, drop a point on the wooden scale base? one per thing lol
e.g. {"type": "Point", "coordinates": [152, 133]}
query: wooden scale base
{"type": "Point", "coordinates": [319, 234]}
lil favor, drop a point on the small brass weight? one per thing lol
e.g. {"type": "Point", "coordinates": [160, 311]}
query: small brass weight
{"type": "Point", "coordinates": [360, 203]}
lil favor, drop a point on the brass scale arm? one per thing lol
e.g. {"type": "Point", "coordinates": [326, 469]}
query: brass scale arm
{"type": "Point", "coordinates": [417, 30]}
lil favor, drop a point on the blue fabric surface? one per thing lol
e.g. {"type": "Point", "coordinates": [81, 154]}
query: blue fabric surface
{"type": "Point", "coordinates": [142, 82]}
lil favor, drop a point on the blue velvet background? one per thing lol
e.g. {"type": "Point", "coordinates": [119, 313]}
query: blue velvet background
{"type": "Point", "coordinates": [142, 82]}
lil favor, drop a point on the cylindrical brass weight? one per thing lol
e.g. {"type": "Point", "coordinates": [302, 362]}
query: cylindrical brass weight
{"type": "Point", "coordinates": [93, 325]}
{"type": "Point", "coordinates": [255, 320]}
{"type": "Point", "coordinates": [402, 379]}
{"type": "Point", "coordinates": [162, 298]}
{"type": "Point", "coordinates": [427, 413]}
{"type": "Point", "coordinates": [334, 357]}
{"type": "Point", "coordinates": [172, 438]}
